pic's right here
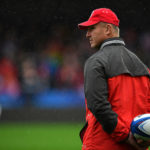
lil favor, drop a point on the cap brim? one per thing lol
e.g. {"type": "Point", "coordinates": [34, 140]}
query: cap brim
{"type": "Point", "coordinates": [86, 24]}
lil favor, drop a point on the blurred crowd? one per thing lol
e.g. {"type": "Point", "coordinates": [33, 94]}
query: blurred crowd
{"type": "Point", "coordinates": [55, 64]}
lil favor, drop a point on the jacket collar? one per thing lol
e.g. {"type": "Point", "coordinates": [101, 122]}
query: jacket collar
{"type": "Point", "coordinates": [111, 41]}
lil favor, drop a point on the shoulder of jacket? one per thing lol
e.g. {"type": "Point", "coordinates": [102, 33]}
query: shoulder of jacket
{"type": "Point", "coordinates": [98, 57]}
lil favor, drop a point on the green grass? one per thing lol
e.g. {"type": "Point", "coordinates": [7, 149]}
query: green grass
{"type": "Point", "coordinates": [19, 136]}
{"type": "Point", "coordinates": [40, 136]}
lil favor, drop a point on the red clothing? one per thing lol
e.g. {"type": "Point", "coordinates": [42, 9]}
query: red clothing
{"type": "Point", "coordinates": [129, 97]}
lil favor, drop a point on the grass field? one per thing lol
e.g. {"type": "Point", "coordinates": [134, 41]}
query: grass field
{"type": "Point", "coordinates": [21, 136]}
{"type": "Point", "coordinates": [25, 136]}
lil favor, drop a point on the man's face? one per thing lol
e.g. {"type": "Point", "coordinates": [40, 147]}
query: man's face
{"type": "Point", "coordinates": [96, 35]}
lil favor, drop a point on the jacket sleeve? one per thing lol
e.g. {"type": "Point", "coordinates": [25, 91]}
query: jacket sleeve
{"type": "Point", "coordinates": [96, 93]}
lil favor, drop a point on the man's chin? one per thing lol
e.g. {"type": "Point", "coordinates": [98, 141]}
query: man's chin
{"type": "Point", "coordinates": [94, 47]}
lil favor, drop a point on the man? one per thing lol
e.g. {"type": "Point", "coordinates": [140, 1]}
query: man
{"type": "Point", "coordinates": [116, 87]}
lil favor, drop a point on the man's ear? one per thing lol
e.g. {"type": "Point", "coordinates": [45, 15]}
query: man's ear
{"type": "Point", "coordinates": [108, 30]}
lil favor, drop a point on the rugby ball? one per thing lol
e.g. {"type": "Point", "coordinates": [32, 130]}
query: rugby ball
{"type": "Point", "coordinates": [140, 127]}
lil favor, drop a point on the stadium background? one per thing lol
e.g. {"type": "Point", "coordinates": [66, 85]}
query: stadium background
{"type": "Point", "coordinates": [42, 54]}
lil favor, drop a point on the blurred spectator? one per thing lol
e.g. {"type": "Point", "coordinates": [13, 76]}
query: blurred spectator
{"type": "Point", "coordinates": [9, 83]}
{"type": "Point", "coordinates": [31, 83]}
{"type": "Point", "coordinates": [71, 73]}
{"type": "Point", "coordinates": [52, 59]}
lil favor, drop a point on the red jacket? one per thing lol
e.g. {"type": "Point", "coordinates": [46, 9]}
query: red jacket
{"type": "Point", "coordinates": [113, 98]}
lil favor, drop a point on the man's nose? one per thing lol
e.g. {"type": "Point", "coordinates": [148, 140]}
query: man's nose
{"type": "Point", "coordinates": [87, 34]}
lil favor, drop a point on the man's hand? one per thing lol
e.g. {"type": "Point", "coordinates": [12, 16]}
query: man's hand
{"type": "Point", "coordinates": [138, 144]}
{"type": "Point", "coordinates": [142, 143]}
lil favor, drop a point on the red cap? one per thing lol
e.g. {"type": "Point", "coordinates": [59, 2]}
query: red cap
{"type": "Point", "coordinates": [100, 15]}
